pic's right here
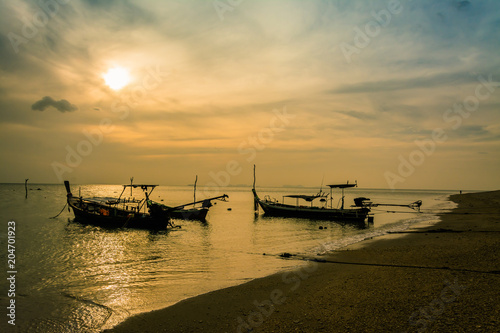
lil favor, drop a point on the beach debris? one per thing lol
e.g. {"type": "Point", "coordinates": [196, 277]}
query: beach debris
{"type": "Point", "coordinates": [286, 255]}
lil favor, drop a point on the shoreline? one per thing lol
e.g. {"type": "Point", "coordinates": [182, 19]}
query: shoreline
{"type": "Point", "coordinates": [438, 277]}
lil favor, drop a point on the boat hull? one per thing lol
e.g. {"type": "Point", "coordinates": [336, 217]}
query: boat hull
{"type": "Point", "coordinates": [199, 214]}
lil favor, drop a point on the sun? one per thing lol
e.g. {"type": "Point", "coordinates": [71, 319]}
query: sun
{"type": "Point", "coordinates": [116, 78]}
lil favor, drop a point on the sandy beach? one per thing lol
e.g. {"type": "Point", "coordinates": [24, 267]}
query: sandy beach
{"type": "Point", "coordinates": [442, 277]}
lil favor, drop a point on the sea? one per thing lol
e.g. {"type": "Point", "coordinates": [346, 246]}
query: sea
{"type": "Point", "coordinates": [70, 277]}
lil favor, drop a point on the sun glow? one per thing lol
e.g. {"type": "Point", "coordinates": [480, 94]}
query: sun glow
{"type": "Point", "coordinates": [116, 78]}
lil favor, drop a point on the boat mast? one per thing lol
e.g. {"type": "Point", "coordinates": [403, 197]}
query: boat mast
{"type": "Point", "coordinates": [331, 198]}
{"type": "Point", "coordinates": [131, 182]}
{"type": "Point", "coordinates": [194, 192]}
{"type": "Point", "coordinates": [146, 194]}
{"type": "Point", "coordinates": [254, 176]}
{"type": "Point", "coordinates": [124, 188]}
{"type": "Point", "coordinates": [255, 202]}
{"type": "Point", "coordinates": [342, 207]}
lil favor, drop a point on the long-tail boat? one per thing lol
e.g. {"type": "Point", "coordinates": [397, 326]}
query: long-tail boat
{"type": "Point", "coordinates": [182, 212]}
{"type": "Point", "coordinates": [193, 213]}
{"type": "Point", "coordinates": [358, 213]}
{"type": "Point", "coordinates": [120, 212]}
{"type": "Point", "coordinates": [273, 207]}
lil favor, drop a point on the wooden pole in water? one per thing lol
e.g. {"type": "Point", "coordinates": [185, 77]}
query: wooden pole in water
{"type": "Point", "coordinates": [26, 187]}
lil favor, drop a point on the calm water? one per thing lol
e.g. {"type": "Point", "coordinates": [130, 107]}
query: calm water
{"type": "Point", "coordinates": [80, 278]}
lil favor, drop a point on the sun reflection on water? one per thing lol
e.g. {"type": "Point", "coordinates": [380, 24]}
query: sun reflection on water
{"type": "Point", "coordinates": [83, 278]}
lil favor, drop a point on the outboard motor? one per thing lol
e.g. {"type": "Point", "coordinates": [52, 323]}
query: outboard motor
{"type": "Point", "coordinates": [206, 204]}
{"type": "Point", "coordinates": [362, 202]}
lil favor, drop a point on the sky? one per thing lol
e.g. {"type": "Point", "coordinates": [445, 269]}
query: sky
{"type": "Point", "coordinates": [391, 94]}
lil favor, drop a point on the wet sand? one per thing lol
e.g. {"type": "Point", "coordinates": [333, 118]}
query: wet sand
{"type": "Point", "coordinates": [442, 277]}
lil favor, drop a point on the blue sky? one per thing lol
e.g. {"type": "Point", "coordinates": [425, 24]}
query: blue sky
{"type": "Point", "coordinates": [394, 94]}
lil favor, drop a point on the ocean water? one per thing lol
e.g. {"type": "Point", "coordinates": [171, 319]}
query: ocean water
{"type": "Point", "coordinates": [79, 278]}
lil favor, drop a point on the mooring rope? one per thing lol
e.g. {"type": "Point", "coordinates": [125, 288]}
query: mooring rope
{"type": "Point", "coordinates": [53, 217]}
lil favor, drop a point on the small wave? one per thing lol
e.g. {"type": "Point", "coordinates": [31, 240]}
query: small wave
{"type": "Point", "coordinates": [441, 205]}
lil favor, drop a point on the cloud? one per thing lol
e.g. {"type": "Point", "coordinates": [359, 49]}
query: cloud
{"type": "Point", "coordinates": [438, 80]}
{"type": "Point", "coordinates": [462, 4]}
{"type": "Point", "coordinates": [358, 115]}
{"type": "Point", "coordinates": [62, 105]}
{"type": "Point", "coordinates": [226, 77]}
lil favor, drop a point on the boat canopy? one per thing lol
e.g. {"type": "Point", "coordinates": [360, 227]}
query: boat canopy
{"type": "Point", "coordinates": [342, 185]}
{"type": "Point", "coordinates": [140, 185]}
{"type": "Point", "coordinates": [305, 197]}
{"type": "Point", "coordinates": [143, 187]}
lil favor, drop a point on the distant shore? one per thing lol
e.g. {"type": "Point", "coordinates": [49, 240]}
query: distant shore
{"type": "Point", "coordinates": [442, 277]}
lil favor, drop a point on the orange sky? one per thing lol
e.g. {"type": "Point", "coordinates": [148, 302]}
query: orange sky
{"type": "Point", "coordinates": [392, 94]}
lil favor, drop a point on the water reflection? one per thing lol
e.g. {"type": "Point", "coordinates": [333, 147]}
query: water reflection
{"type": "Point", "coordinates": [73, 275]}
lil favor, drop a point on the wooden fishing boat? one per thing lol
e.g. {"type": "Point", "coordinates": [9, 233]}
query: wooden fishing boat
{"type": "Point", "coordinates": [120, 212]}
{"type": "Point", "coordinates": [359, 213]}
{"type": "Point", "coordinates": [193, 213]}
{"type": "Point", "coordinates": [273, 207]}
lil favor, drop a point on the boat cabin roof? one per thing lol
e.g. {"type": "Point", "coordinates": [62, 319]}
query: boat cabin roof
{"type": "Point", "coordinates": [343, 185]}
{"type": "Point", "coordinates": [302, 196]}
{"type": "Point", "coordinates": [140, 185]}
